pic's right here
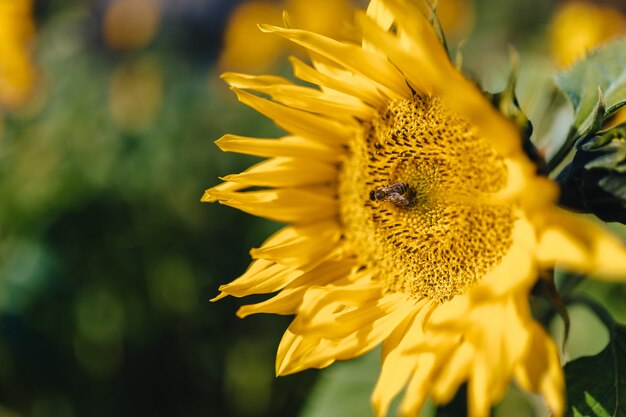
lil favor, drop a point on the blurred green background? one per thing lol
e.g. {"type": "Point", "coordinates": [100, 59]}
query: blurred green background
{"type": "Point", "coordinates": [108, 259]}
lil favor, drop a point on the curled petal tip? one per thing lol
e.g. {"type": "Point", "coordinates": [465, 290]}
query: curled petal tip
{"type": "Point", "coordinates": [281, 368]}
{"type": "Point", "coordinates": [218, 297]}
{"type": "Point", "coordinates": [207, 197]}
{"type": "Point", "coordinates": [264, 27]}
{"type": "Point", "coordinates": [218, 141]}
{"type": "Point", "coordinates": [243, 312]}
{"type": "Point", "coordinates": [213, 195]}
{"type": "Point", "coordinates": [228, 77]}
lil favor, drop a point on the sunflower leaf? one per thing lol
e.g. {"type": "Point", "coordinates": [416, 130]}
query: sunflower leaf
{"type": "Point", "coordinates": [344, 389]}
{"type": "Point", "coordinates": [596, 385]}
{"type": "Point", "coordinates": [595, 180]}
{"type": "Point", "coordinates": [507, 103]}
{"type": "Point", "coordinates": [596, 86]}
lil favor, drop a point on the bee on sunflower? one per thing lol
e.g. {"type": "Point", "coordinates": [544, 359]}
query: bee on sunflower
{"type": "Point", "coordinates": [416, 219]}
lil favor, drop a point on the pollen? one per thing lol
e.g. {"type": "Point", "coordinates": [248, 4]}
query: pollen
{"type": "Point", "coordinates": [447, 237]}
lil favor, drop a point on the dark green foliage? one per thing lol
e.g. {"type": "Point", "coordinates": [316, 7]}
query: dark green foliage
{"type": "Point", "coordinates": [595, 180]}
{"type": "Point", "coordinates": [596, 86]}
{"type": "Point", "coordinates": [108, 259]}
{"type": "Point", "coordinates": [507, 103]}
{"type": "Point", "coordinates": [456, 407]}
{"type": "Point", "coordinates": [344, 390]}
{"type": "Point", "coordinates": [596, 385]}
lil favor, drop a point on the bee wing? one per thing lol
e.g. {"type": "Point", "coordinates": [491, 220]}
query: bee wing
{"type": "Point", "coordinates": [397, 199]}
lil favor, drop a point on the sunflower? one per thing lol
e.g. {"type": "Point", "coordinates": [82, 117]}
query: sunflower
{"type": "Point", "coordinates": [414, 218]}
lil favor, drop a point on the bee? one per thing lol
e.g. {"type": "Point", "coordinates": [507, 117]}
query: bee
{"type": "Point", "coordinates": [397, 194]}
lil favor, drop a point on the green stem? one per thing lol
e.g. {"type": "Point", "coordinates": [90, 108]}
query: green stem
{"type": "Point", "coordinates": [567, 284]}
{"type": "Point", "coordinates": [569, 143]}
{"type": "Point", "coordinates": [604, 316]}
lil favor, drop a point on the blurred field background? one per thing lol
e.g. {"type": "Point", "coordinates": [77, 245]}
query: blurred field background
{"type": "Point", "coordinates": [108, 113]}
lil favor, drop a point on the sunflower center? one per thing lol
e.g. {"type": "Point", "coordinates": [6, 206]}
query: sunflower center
{"type": "Point", "coordinates": [410, 200]}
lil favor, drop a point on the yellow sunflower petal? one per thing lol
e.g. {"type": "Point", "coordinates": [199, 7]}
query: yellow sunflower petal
{"type": "Point", "coordinates": [315, 352]}
{"type": "Point", "coordinates": [419, 385]}
{"type": "Point", "coordinates": [332, 105]}
{"type": "Point", "coordinates": [252, 82]}
{"type": "Point", "coordinates": [285, 172]}
{"type": "Point", "coordinates": [465, 98]}
{"type": "Point", "coordinates": [517, 331]}
{"type": "Point", "coordinates": [379, 11]}
{"type": "Point", "coordinates": [411, 20]}
{"type": "Point", "coordinates": [297, 246]}
{"type": "Point", "coordinates": [210, 195]}
{"type": "Point", "coordinates": [478, 387]}
{"type": "Point", "coordinates": [497, 330]}
{"type": "Point", "coordinates": [289, 345]}
{"type": "Point", "coordinates": [309, 125]}
{"type": "Point", "coordinates": [503, 340]}
{"type": "Point", "coordinates": [336, 105]}
{"type": "Point", "coordinates": [363, 290]}
{"type": "Point", "coordinates": [290, 298]}
{"type": "Point", "coordinates": [333, 320]}
{"type": "Point", "coordinates": [351, 56]}
{"type": "Point", "coordinates": [398, 362]}
{"type": "Point", "coordinates": [415, 49]}
{"type": "Point", "coordinates": [287, 205]}
{"type": "Point", "coordinates": [453, 373]}
{"type": "Point", "coordinates": [261, 277]}
{"type": "Point", "coordinates": [444, 318]}
{"type": "Point", "coordinates": [383, 18]}
{"type": "Point", "coordinates": [286, 302]}
{"type": "Point", "coordinates": [578, 244]}
{"type": "Point", "coordinates": [541, 372]}
{"type": "Point", "coordinates": [354, 345]}
{"type": "Point", "coordinates": [415, 70]}
{"type": "Point", "coordinates": [491, 346]}
{"type": "Point", "coordinates": [355, 86]}
{"type": "Point", "coordinates": [289, 146]}
{"type": "Point", "coordinates": [523, 187]}
{"type": "Point", "coordinates": [517, 269]}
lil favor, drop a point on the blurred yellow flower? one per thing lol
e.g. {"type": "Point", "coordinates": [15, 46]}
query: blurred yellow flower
{"type": "Point", "coordinates": [131, 24]}
{"type": "Point", "coordinates": [456, 17]}
{"type": "Point", "coordinates": [17, 72]}
{"type": "Point", "coordinates": [416, 219]}
{"type": "Point", "coordinates": [579, 26]}
{"type": "Point", "coordinates": [326, 17]}
{"type": "Point", "coordinates": [246, 48]}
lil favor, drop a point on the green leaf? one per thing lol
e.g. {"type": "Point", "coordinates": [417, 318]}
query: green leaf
{"type": "Point", "coordinates": [596, 385]}
{"type": "Point", "coordinates": [344, 389]}
{"type": "Point", "coordinates": [595, 180]}
{"type": "Point", "coordinates": [506, 102]}
{"type": "Point", "coordinates": [596, 85]}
